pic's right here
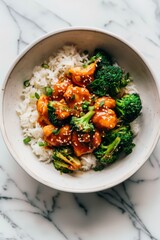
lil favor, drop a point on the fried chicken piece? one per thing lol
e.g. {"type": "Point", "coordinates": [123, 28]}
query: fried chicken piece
{"type": "Point", "coordinates": [60, 87]}
{"type": "Point", "coordinates": [42, 104]}
{"type": "Point", "coordinates": [62, 111]}
{"type": "Point", "coordinates": [75, 97]}
{"type": "Point", "coordinates": [57, 137]}
{"type": "Point", "coordinates": [104, 103]}
{"type": "Point", "coordinates": [105, 119]}
{"type": "Point", "coordinates": [42, 109]}
{"type": "Point", "coordinates": [82, 76]}
{"type": "Point", "coordinates": [85, 143]}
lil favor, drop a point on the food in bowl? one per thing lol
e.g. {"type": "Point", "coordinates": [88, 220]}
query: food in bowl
{"type": "Point", "coordinates": [127, 57]}
{"type": "Point", "coordinates": [79, 111]}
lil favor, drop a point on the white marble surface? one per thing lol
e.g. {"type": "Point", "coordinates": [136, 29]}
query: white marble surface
{"type": "Point", "coordinates": [32, 211]}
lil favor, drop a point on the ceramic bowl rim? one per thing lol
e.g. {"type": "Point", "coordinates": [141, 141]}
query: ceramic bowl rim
{"type": "Point", "coordinates": [13, 65]}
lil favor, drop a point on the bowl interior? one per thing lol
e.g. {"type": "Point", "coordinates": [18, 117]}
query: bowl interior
{"type": "Point", "coordinates": [145, 84]}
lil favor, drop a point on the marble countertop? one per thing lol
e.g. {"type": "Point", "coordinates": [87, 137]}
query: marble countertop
{"type": "Point", "coordinates": [32, 211]}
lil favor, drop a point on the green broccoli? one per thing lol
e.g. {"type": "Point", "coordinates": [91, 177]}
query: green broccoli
{"type": "Point", "coordinates": [106, 154]}
{"type": "Point", "coordinates": [99, 166]}
{"type": "Point", "coordinates": [83, 123]}
{"type": "Point", "coordinates": [64, 160]}
{"type": "Point", "coordinates": [108, 81]}
{"type": "Point", "coordinates": [126, 135]}
{"type": "Point", "coordinates": [102, 57]}
{"type": "Point", "coordinates": [61, 166]}
{"type": "Point", "coordinates": [115, 142]}
{"type": "Point", "coordinates": [52, 115]}
{"type": "Point", "coordinates": [129, 107]}
{"type": "Point", "coordinates": [105, 58]}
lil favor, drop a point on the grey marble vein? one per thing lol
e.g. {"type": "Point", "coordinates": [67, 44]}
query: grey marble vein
{"type": "Point", "coordinates": [24, 20]}
{"type": "Point", "coordinates": [125, 205]}
{"type": "Point", "coordinates": [30, 210]}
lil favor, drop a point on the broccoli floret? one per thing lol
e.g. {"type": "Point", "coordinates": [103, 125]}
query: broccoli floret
{"type": "Point", "coordinates": [105, 58]}
{"type": "Point", "coordinates": [126, 135]}
{"type": "Point", "coordinates": [99, 166]}
{"type": "Point", "coordinates": [115, 142]}
{"type": "Point", "coordinates": [125, 80]}
{"type": "Point", "coordinates": [129, 107]}
{"type": "Point", "coordinates": [61, 166]}
{"type": "Point", "coordinates": [108, 81]}
{"type": "Point", "coordinates": [52, 115]}
{"type": "Point", "coordinates": [64, 160]}
{"type": "Point", "coordinates": [54, 110]}
{"type": "Point", "coordinates": [102, 57]}
{"type": "Point", "coordinates": [83, 124]}
{"type": "Point", "coordinates": [106, 154]}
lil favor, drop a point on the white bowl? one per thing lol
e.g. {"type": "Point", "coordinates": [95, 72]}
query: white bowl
{"type": "Point", "coordinates": [127, 57]}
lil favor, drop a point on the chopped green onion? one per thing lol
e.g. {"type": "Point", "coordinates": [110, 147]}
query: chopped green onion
{"type": "Point", "coordinates": [73, 97]}
{"type": "Point", "coordinates": [37, 95]}
{"type": "Point", "coordinates": [92, 59]}
{"type": "Point", "coordinates": [26, 140]}
{"type": "Point", "coordinates": [56, 131]}
{"type": "Point", "coordinates": [26, 83]}
{"type": "Point", "coordinates": [45, 65]}
{"type": "Point", "coordinates": [101, 103]}
{"type": "Point", "coordinates": [48, 91]}
{"type": "Point", "coordinates": [42, 144]}
{"type": "Point", "coordinates": [32, 95]}
{"type": "Point", "coordinates": [85, 65]}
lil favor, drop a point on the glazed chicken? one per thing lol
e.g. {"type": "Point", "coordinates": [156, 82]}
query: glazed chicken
{"type": "Point", "coordinates": [42, 105]}
{"type": "Point", "coordinates": [105, 119]}
{"type": "Point", "coordinates": [62, 110]}
{"type": "Point", "coordinates": [104, 103]}
{"type": "Point", "coordinates": [60, 87]}
{"type": "Point", "coordinates": [84, 143]}
{"type": "Point", "coordinates": [57, 137]}
{"type": "Point", "coordinates": [67, 100]}
{"type": "Point", "coordinates": [82, 76]}
{"type": "Point", "coordinates": [42, 109]}
{"type": "Point", "coordinates": [75, 96]}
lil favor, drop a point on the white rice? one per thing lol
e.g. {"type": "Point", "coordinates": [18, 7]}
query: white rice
{"type": "Point", "coordinates": [66, 58]}
{"type": "Point", "coordinates": [60, 63]}
{"type": "Point", "coordinates": [88, 162]}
